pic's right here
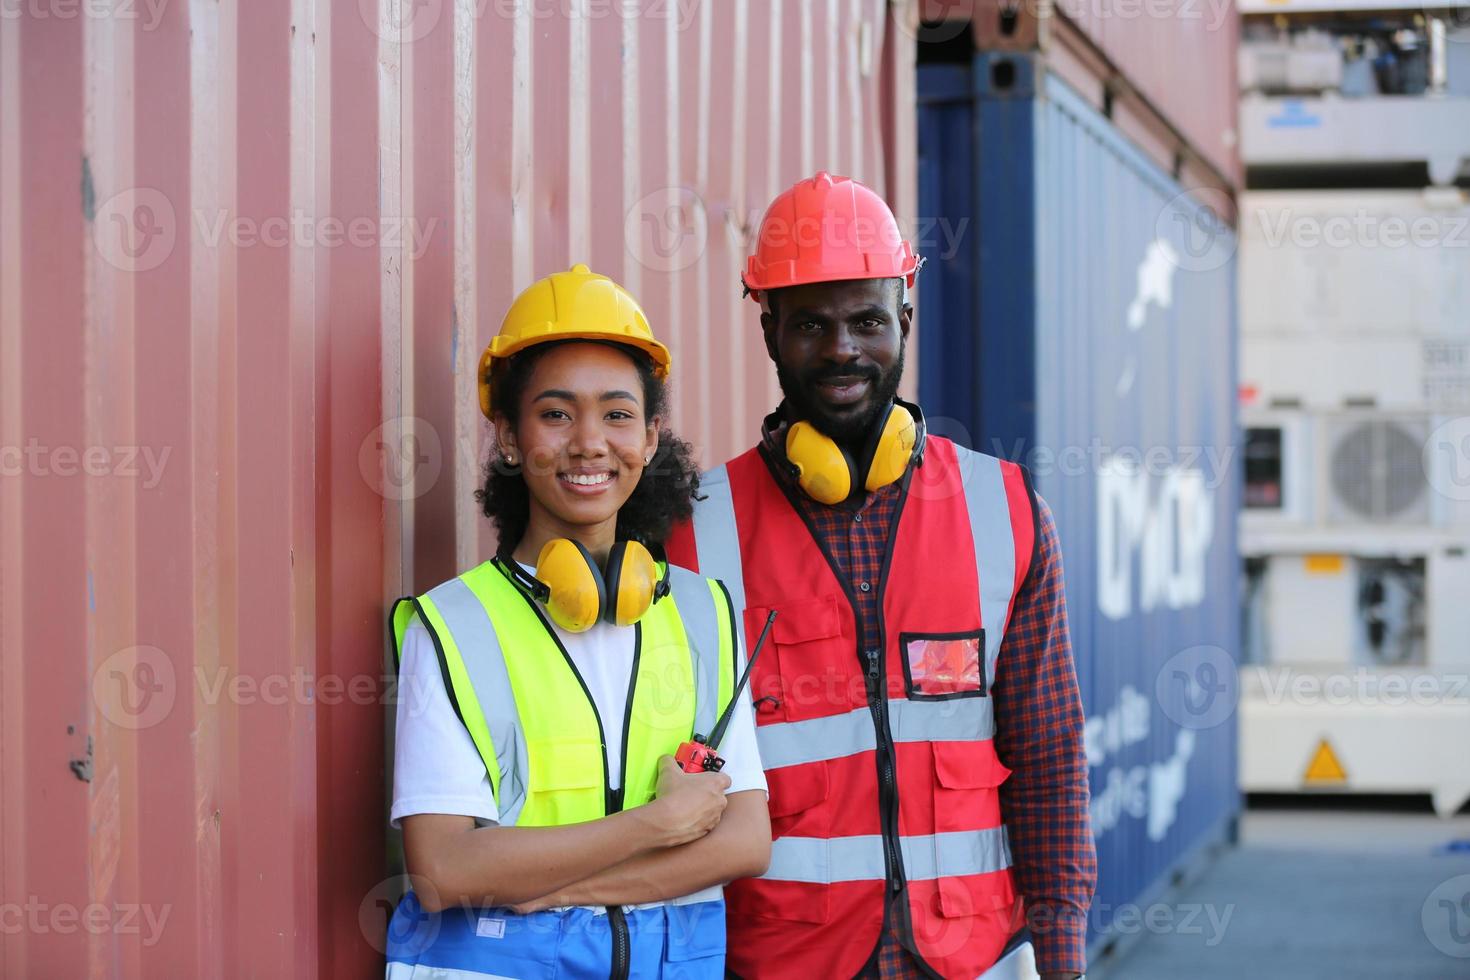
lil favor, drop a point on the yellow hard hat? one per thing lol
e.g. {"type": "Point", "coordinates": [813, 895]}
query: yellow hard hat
{"type": "Point", "coordinates": [574, 305]}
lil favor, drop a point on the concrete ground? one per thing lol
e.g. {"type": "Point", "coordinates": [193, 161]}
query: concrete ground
{"type": "Point", "coordinates": [1320, 894]}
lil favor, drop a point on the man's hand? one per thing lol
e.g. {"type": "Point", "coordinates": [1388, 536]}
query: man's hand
{"type": "Point", "coordinates": [687, 805]}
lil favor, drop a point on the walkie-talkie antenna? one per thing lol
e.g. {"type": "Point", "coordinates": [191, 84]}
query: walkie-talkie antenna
{"type": "Point", "coordinates": [720, 726]}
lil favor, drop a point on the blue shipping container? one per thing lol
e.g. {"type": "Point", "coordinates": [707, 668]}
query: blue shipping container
{"type": "Point", "coordinates": [1094, 301]}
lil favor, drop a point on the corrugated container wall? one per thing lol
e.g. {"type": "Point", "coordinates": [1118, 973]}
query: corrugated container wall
{"type": "Point", "coordinates": [249, 255]}
{"type": "Point", "coordinates": [1164, 70]}
{"type": "Point", "coordinates": [1136, 368]}
{"type": "Point", "coordinates": [1098, 299]}
{"type": "Point", "coordinates": [1180, 55]}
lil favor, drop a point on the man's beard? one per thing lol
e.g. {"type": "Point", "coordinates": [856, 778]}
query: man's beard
{"type": "Point", "coordinates": [848, 431]}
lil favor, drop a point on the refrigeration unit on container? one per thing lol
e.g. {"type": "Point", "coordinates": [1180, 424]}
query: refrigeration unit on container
{"type": "Point", "coordinates": [1332, 90]}
{"type": "Point", "coordinates": [1355, 383]}
{"type": "Point", "coordinates": [1085, 326]}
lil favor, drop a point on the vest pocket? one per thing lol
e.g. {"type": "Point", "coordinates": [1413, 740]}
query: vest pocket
{"type": "Point", "coordinates": [976, 895]}
{"type": "Point", "coordinates": [814, 664]}
{"type": "Point", "coordinates": [967, 779]}
{"type": "Point", "coordinates": [799, 809]}
{"type": "Point", "coordinates": [795, 792]}
{"type": "Point", "coordinates": [566, 781]}
{"type": "Point", "coordinates": [695, 932]}
{"type": "Point", "coordinates": [756, 906]}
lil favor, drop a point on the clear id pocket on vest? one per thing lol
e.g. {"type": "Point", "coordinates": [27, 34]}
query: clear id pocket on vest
{"type": "Point", "coordinates": [938, 666]}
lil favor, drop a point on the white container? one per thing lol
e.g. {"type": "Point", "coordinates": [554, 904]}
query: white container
{"type": "Point", "coordinates": [1356, 298]}
{"type": "Point", "coordinates": [1331, 132]}
{"type": "Point", "coordinates": [1355, 345]}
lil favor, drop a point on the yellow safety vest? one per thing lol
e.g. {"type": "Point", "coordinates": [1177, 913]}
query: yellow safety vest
{"type": "Point", "coordinates": [529, 712]}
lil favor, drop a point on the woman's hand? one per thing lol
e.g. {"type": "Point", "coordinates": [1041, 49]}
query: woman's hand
{"type": "Point", "coordinates": [687, 805]}
{"type": "Point", "coordinates": [536, 905]}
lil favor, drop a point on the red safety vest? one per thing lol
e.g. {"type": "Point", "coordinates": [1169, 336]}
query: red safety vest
{"type": "Point", "coordinates": [878, 749]}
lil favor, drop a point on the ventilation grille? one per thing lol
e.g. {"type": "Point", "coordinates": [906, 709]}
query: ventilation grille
{"type": "Point", "coordinates": [1377, 472]}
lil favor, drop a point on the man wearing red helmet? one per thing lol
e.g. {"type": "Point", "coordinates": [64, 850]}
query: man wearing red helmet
{"type": "Point", "coordinates": [917, 711]}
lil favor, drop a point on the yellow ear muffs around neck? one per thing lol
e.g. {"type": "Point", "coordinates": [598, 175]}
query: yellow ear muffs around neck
{"type": "Point", "coordinates": [632, 579]}
{"type": "Point", "coordinates": [828, 473]}
{"type": "Point", "coordinates": [575, 595]}
{"type": "Point", "coordinates": [824, 470]}
{"type": "Point", "coordinates": [893, 449]}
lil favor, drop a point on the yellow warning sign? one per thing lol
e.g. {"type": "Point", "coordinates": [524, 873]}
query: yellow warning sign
{"type": "Point", "coordinates": [1324, 767]}
{"type": "Point", "coordinates": [1324, 564]}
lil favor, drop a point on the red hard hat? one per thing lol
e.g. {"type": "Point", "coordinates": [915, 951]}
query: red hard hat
{"type": "Point", "coordinates": [827, 228]}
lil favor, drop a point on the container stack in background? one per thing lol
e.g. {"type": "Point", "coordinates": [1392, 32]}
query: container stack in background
{"type": "Point", "coordinates": [1087, 327]}
{"type": "Point", "coordinates": [1355, 354]}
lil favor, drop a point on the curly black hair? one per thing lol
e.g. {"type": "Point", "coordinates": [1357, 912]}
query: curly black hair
{"type": "Point", "coordinates": [665, 493]}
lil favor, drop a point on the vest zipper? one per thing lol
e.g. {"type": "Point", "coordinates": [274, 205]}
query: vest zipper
{"type": "Point", "coordinates": [877, 688]}
{"type": "Point", "coordinates": [621, 953]}
{"type": "Point", "coordinates": [888, 800]}
{"type": "Point", "coordinates": [896, 902]}
{"type": "Point", "coordinates": [887, 773]}
{"type": "Point", "coordinates": [612, 800]}
{"type": "Point", "coordinates": [621, 794]}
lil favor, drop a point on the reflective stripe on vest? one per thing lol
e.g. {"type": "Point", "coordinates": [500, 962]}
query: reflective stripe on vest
{"type": "Point", "coordinates": [990, 521]}
{"type": "Point", "coordinates": [706, 625]}
{"type": "Point", "coordinates": [716, 537]}
{"type": "Point", "coordinates": [685, 675]}
{"type": "Point", "coordinates": [822, 860]}
{"type": "Point", "coordinates": [717, 540]}
{"type": "Point", "coordinates": [463, 616]}
{"type": "Point", "coordinates": [792, 743]}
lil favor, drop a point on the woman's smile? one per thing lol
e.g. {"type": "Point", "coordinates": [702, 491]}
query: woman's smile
{"type": "Point", "coordinates": [586, 482]}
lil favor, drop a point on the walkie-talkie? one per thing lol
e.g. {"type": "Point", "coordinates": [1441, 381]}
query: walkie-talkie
{"type": "Point", "coordinates": [702, 755]}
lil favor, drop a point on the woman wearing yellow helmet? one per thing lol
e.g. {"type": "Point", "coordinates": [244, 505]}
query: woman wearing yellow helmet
{"type": "Point", "coordinates": [546, 831]}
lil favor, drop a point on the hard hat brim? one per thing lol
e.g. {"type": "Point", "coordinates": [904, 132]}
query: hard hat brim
{"type": "Point", "coordinates": [656, 351]}
{"type": "Point", "coordinates": [755, 285]}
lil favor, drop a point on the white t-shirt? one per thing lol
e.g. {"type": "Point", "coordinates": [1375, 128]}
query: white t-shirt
{"type": "Point", "coordinates": [437, 769]}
